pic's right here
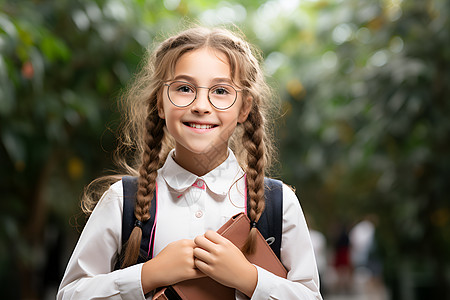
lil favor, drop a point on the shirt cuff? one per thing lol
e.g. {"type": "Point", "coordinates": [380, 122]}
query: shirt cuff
{"type": "Point", "coordinates": [265, 284]}
{"type": "Point", "coordinates": [129, 283]}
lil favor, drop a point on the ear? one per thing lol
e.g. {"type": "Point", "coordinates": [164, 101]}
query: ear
{"type": "Point", "coordinates": [161, 113]}
{"type": "Point", "coordinates": [245, 109]}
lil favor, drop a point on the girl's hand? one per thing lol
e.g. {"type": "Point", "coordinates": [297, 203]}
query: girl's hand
{"type": "Point", "coordinates": [173, 264]}
{"type": "Point", "coordinates": [221, 260]}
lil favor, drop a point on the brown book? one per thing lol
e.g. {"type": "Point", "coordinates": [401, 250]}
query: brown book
{"type": "Point", "coordinates": [236, 230]}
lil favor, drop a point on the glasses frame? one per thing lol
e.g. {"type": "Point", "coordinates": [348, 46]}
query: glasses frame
{"type": "Point", "coordinates": [196, 93]}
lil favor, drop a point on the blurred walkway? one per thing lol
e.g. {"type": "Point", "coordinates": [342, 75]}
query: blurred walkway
{"type": "Point", "coordinates": [363, 287]}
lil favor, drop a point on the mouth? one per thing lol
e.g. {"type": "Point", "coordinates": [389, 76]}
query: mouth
{"type": "Point", "coordinates": [200, 126]}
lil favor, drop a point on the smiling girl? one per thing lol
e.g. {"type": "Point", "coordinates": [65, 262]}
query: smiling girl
{"type": "Point", "coordinates": [197, 123]}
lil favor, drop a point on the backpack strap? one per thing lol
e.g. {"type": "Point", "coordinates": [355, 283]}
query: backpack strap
{"type": "Point", "coordinates": [129, 184]}
{"type": "Point", "coordinates": [270, 223]}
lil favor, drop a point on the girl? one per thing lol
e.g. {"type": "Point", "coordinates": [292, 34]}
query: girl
{"type": "Point", "coordinates": [201, 94]}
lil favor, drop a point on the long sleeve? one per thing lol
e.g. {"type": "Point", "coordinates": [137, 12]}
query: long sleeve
{"type": "Point", "coordinates": [89, 273]}
{"type": "Point", "coordinates": [297, 256]}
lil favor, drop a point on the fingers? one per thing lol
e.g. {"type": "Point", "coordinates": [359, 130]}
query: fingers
{"type": "Point", "coordinates": [220, 259]}
{"type": "Point", "coordinates": [201, 255]}
{"type": "Point", "coordinates": [206, 250]}
{"type": "Point", "coordinates": [214, 237]}
{"type": "Point", "coordinates": [175, 263]}
{"type": "Point", "coordinates": [202, 242]}
{"type": "Point", "coordinates": [210, 239]}
{"type": "Point", "coordinates": [203, 266]}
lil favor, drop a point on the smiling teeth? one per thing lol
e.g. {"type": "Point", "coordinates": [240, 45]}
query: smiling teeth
{"type": "Point", "coordinates": [198, 126]}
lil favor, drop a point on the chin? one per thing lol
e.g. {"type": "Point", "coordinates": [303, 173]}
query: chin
{"type": "Point", "coordinates": [199, 148]}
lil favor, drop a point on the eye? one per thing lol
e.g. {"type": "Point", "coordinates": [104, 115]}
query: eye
{"type": "Point", "coordinates": [221, 90]}
{"type": "Point", "coordinates": [185, 89]}
{"type": "Point", "coordinates": [182, 88]}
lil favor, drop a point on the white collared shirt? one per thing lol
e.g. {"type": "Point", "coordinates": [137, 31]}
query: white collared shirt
{"type": "Point", "coordinates": [187, 206]}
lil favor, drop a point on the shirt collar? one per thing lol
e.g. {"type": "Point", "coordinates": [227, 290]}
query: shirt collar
{"type": "Point", "coordinates": [219, 180]}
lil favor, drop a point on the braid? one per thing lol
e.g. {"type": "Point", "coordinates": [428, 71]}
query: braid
{"type": "Point", "coordinates": [146, 183]}
{"type": "Point", "coordinates": [253, 140]}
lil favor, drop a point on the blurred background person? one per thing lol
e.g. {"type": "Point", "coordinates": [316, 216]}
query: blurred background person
{"type": "Point", "coordinates": [342, 263]}
{"type": "Point", "coordinates": [365, 259]}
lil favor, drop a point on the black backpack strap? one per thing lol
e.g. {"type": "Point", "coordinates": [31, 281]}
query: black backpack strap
{"type": "Point", "coordinates": [270, 223]}
{"type": "Point", "coordinates": [129, 184]}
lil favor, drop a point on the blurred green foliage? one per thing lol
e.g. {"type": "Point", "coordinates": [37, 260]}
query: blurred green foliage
{"type": "Point", "coordinates": [367, 119]}
{"type": "Point", "coordinates": [364, 89]}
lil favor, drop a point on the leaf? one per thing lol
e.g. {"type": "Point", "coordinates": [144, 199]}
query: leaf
{"type": "Point", "coordinates": [15, 146]}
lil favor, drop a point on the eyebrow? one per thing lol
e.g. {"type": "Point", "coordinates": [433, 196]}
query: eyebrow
{"type": "Point", "coordinates": [193, 80]}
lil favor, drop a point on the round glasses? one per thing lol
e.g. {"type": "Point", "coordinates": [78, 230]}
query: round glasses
{"type": "Point", "coordinates": [221, 96]}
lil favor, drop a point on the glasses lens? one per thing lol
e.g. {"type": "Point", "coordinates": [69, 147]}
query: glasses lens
{"type": "Point", "coordinates": [222, 96]}
{"type": "Point", "coordinates": [181, 93]}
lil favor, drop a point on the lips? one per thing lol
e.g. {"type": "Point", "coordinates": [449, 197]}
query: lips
{"type": "Point", "coordinates": [200, 126]}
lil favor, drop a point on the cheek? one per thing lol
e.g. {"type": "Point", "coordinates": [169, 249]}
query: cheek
{"type": "Point", "coordinates": [230, 122]}
{"type": "Point", "coordinates": [240, 113]}
{"type": "Point", "coordinates": [173, 118]}
{"type": "Point", "coordinates": [245, 110]}
{"type": "Point", "coordinates": [234, 118]}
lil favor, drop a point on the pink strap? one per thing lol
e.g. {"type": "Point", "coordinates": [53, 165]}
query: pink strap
{"type": "Point", "coordinates": [245, 192]}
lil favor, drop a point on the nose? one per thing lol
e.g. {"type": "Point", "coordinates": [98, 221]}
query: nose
{"type": "Point", "coordinates": [201, 104]}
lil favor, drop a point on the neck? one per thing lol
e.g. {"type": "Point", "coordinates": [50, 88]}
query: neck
{"type": "Point", "coordinates": [200, 163]}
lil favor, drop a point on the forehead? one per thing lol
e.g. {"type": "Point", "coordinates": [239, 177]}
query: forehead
{"type": "Point", "coordinates": [203, 65]}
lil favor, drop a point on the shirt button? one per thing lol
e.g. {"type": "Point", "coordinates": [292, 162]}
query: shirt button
{"type": "Point", "coordinates": [199, 214]}
{"type": "Point", "coordinates": [200, 183]}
